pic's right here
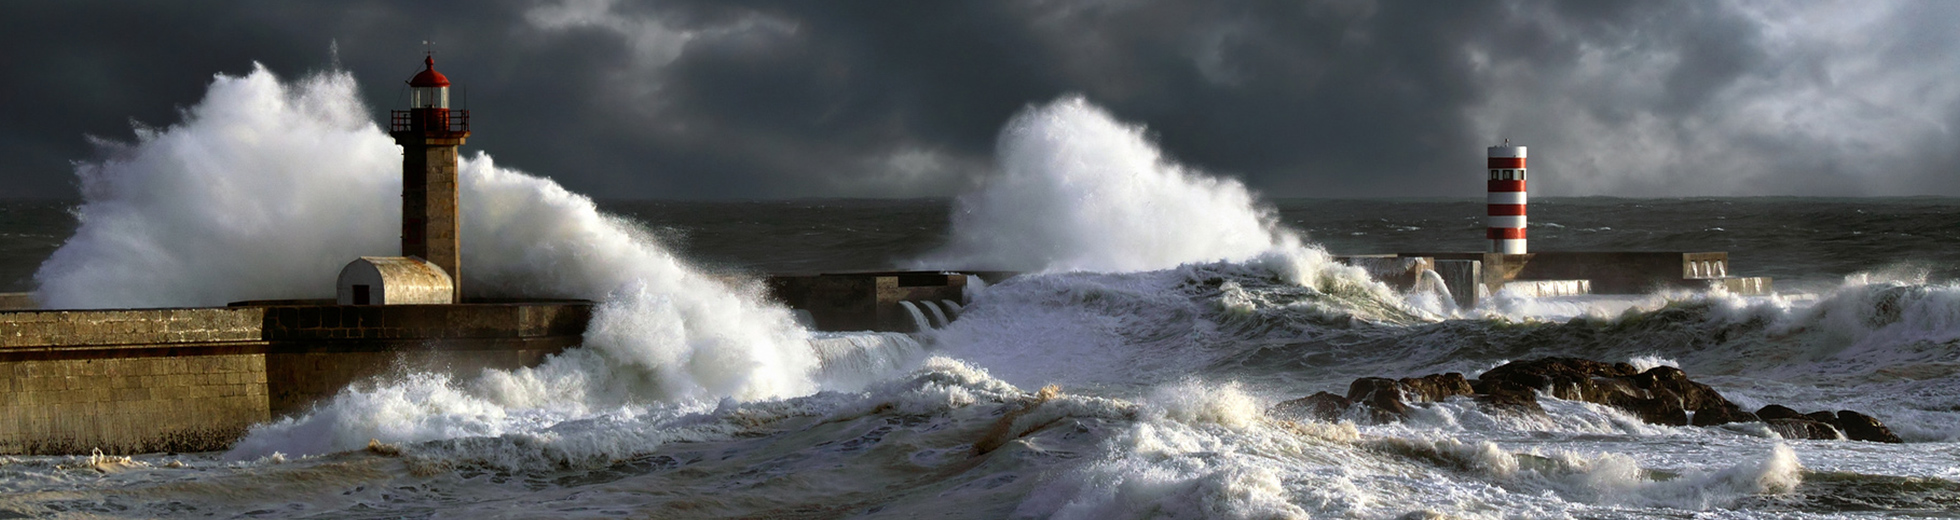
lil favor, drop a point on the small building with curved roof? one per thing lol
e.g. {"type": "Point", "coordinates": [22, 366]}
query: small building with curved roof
{"type": "Point", "coordinates": [393, 280]}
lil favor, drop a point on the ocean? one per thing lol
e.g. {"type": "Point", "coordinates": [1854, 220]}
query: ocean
{"type": "Point", "coordinates": [1126, 374]}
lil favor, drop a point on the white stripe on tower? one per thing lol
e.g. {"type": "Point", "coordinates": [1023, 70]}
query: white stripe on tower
{"type": "Point", "coordinates": [1506, 216]}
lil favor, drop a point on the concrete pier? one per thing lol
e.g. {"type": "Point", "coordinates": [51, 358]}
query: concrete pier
{"type": "Point", "coordinates": [196, 379]}
{"type": "Point", "coordinates": [868, 300]}
{"type": "Point", "coordinates": [1561, 273]}
{"type": "Point", "coordinates": [150, 380]}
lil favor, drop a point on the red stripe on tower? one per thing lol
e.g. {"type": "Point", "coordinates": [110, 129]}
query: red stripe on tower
{"type": "Point", "coordinates": [1504, 233]}
{"type": "Point", "coordinates": [1505, 219]}
{"type": "Point", "coordinates": [1505, 162]}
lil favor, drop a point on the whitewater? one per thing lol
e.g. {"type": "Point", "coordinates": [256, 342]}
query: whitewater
{"type": "Point", "coordinates": [1126, 374]}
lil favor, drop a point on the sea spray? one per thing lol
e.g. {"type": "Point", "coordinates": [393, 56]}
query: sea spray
{"type": "Point", "coordinates": [265, 189]}
{"type": "Point", "coordinates": [1081, 197]}
{"type": "Point", "coordinates": [1078, 190]}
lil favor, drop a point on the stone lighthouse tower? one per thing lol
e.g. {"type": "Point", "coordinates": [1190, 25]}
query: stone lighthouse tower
{"type": "Point", "coordinates": [429, 133]}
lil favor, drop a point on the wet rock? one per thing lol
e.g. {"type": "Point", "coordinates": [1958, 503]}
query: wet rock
{"type": "Point", "coordinates": [1860, 427]}
{"type": "Point", "coordinates": [1662, 406]}
{"type": "Point", "coordinates": [1660, 395]}
{"type": "Point", "coordinates": [1692, 395]}
{"type": "Point", "coordinates": [1801, 427]}
{"type": "Point", "coordinates": [1382, 394]}
{"type": "Point", "coordinates": [1506, 396]}
{"type": "Point", "coordinates": [1777, 411]}
{"type": "Point", "coordinates": [1718, 415]}
{"type": "Point", "coordinates": [1436, 387]}
{"type": "Point", "coordinates": [1564, 378]}
{"type": "Point", "coordinates": [1321, 406]}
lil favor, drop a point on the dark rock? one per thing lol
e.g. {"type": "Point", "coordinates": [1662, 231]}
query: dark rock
{"type": "Point", "coordinates": [1436, 387]}
{"type": "Point", "coordinates": [1508, 397]}
{"type": "Point", "coordinates": [1801, 427]}
{"type": "Point", "coordinates": [1661, 407]}
{"type": "Point", "coordinates": [1777, 411]}
{"type": "Point", "coordinates": [1564, 378]}
{"type": "Point", "coordinates": [1321, 406]}
{"type": "Point", "coordinates": [1717, 415]}
{"type": "Point", "coordinates": [1661, 395]}
{"type": "Point", "coordinates": [1860, 427]}
{"type": "Point", "coordinates": [1382, 394]}
{"type": "Point", "coordinates": [1618, 392]}
{"type": "Point", "coordinates": [1693, 395]}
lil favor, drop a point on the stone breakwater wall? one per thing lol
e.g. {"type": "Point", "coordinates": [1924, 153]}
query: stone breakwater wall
{"type": "Point", "coordinates": [150, 380]}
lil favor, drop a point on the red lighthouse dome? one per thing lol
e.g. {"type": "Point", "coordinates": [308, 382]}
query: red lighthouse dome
{"type": "Point", "coordinates": [429, 77]}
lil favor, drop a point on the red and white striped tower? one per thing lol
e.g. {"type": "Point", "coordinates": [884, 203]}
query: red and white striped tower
{"type": "Point", "coordinates": [1506, 199]}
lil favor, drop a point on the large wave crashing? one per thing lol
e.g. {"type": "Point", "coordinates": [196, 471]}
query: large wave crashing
{"type": "Point", "coordinates": [1079, 190]}
{"type": "Point", "coordinates": [265, 189]}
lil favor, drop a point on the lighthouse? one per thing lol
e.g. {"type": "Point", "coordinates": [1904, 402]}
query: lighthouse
{"type": "Point", "coordinates": [429, 133]}
{"type": "Point", "coordinates": [1506, 199]}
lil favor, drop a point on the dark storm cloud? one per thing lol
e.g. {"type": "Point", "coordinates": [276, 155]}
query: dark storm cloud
{"type": "Point", "coordinates": [759, 98]}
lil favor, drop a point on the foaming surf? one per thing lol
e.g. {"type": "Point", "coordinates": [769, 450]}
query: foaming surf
{"type": "Point", "coordinates": [266, 186]}
{"type": "Point", "coordinates": [1126, 376]}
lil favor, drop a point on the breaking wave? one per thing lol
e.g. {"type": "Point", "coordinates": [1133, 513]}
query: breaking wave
{"type": "Point", "coordinates": [1125, 376]}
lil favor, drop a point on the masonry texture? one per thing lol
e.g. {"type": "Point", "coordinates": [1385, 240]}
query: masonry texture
{"type": "Point", "coordinates": [135, 381]}
{"type": "Point", "coordinates": [430, 222]}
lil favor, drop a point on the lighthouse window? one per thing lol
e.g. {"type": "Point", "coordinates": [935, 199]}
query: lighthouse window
{"type": "Point", "coordinates": [429, 97]}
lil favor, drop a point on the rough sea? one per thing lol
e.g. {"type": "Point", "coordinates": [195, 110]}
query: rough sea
{"type": "Point", "coordinates": [1125, 375]}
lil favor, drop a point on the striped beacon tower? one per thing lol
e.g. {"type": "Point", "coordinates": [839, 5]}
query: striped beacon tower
{"type": "Point", "coordinates": [1506, 199]}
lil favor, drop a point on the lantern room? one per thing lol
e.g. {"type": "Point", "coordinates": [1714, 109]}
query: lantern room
{"type": "Point", "coordinates": [428, 89]}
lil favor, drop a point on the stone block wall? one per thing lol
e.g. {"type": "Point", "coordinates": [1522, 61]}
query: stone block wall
{"type": "Point", "coordinates": [301, 380]}
{"type": "Point", "coordinates": [315, 351]}
{"type": "Point", "coordinates": [129, 381]}
{"type": "Point", "coordinates": [72, 330]}
{"type": "Point", "coordinates": [130, 405]}
{"type": "Point", "coordinates": [148, 380]}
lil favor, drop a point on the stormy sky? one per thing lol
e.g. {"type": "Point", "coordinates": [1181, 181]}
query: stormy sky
{"type": "Point", "coordinates": [750, 99]}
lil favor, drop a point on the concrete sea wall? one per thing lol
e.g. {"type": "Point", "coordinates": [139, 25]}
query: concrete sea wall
{"type": "Point", "coordinates": [866, 301]}
{"type": "Point", "coordinates": [134, 381]}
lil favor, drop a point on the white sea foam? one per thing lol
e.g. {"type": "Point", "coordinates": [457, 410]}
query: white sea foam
{"type": "Point", "coordinates": [266, 188]}
{"type": "Point", "coordinates": [1079, 190]}
{"type": "Point", "coordinates": [263, 191]}
{"type": "Point", "coordinates": [707, 375]}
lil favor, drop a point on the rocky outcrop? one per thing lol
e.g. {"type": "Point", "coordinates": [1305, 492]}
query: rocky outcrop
{"type": "Point", "coordinates": [1436, 387]}
{"type": "Point", "coordinates": [1860, 427]}
{"type": "Point", "coordinates": [1842, 424]}
{"type": "Point", "coordinates": [1722, 414]}
{"type": "Point", "coordinates": [1322, 406]}
{"type": "Point", "coordinates": [1383, 396]}
{"type": "Point", "coordinates": [1660, 395]}
{"type": "Point", "coordinates": [1777, 411]}
{"type": "Point", "coordinates": [1801, 427]}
